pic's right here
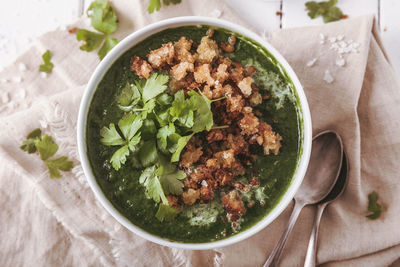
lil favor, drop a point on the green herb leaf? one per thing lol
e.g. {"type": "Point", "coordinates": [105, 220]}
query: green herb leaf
{"type": "Point", "coordinates": [129, 97]}
{"type": "Point", "coordinates": [91, 40]}
{"type": "Point", "coordinates": [103, 16]}
{"type": "Point", "coordinates": [203, 119]}
{"type": "Point", "coordinates": [155, 85]}
{"type": "Point", "coordinates": [151, 182]}
{"type": "Point", "coordinates": [36, 133]}
{"type": "Point", "coordinates": [29, 146]}
{"type": "Point", "coordinates": [162, 136]}
{"type": "Point", "coordinates": [119, 157]}
{"type": "Point", "coordinates": [110, 136]}
{"type": "Point", "coordinates": [108, 44]}
{"type": "Point", "coordinates": [166, 213]}
{"type": "Point", "coordinates": [57, 165]}
{"type": "Point", "coordinates": [156, 4]}
{"type": "Point", "coordinates": [171, 183]}
{"type": "Point", "coordinates": [374, 206]}
{"type": "Point", "coordinates": [46, 147]}
{"type": "Point", "coordinates": [149, 129]}
{"type": "Point", "coordinates": [129, 125]}
{"type": "Point", "coordinates": [327, 9]}
{"type": "Point", "coordinates": [148, 153]}
{"type": "Point", "coordinates": [181, 145]}
{"type": "Point", "coordinates": [182, 109]}
{"type": "Point", "coordinates": [47, 66]}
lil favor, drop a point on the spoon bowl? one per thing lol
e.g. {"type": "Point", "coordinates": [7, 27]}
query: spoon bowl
{"type": "Point", "coordinates": [321, 176]}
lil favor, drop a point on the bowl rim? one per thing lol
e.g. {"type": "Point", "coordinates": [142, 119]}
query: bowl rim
{"type": "Point", "coordinates": [137, 37]}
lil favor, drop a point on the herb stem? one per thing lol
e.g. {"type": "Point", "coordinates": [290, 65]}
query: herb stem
{"type": "Point", "coordinates": [220, 127]}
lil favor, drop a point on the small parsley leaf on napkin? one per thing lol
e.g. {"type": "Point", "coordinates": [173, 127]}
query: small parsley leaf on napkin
{"type": "Point", "coordinates": [327, 9]}
{"type": "Point", "coordinates": [90, 40]}
{"type": "Point", "coordinates": [47, 66]}
{"type": "Point", "coordinates": [374, 206]}
{"type": "Point", "coordinates": [46, 148]}
{"type": "Point", "coordinates": [104, 19]}
{"type": "Point", "coordinates": [108, 44]}
{"type": "Point", "coordinates": [156, 4]}
{"type": "Point", "coordinates": [57, 165]}
{"type": "Point", "coordinates": [166, 213]}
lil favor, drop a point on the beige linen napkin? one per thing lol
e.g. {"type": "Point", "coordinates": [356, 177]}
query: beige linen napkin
{"type": "Point", "coordinates": [59, 222]}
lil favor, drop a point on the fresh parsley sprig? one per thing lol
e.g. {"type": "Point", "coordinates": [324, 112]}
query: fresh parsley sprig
{"type": "Point", "coordinates": [156, 4]}
{"type": "Point", "coordinates": [327, 9]}
{"type": "Point", "coordinates": [103, 19]}
{"type": "Point", "coordinates": [47, 66]}
{"type": "Point", "coordinates": [373, 206]}
{"type": "Point", "coordinates": [47, 148]}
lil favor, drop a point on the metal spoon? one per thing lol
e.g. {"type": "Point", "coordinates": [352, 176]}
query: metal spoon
{"type": "Point", "coordinates": [311, 256]}
{"type": "Point", "coordinates": [322, 173]}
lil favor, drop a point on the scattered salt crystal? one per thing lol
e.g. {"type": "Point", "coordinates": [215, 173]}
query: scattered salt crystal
{"type": "Point", "coordinates": [43, 124]}
{"type": "Point", "coordinates": [340, 37]}
{"type": "Point", "coordinates": [311, 62]}
{"type": "Point", "coordinates": [11, 105]}
{"type": "Point", "coordinates": [117, 227]}
{"type": "Point", "coordinates": [90, 12]}
{"type": "Point", "coordinates": [340, 62]}
{"type": "Point", "coordinates": [321, 38]}
{"type": "Point", "coordinates": [22, 67]}
{"type": "Point", "coordinates": [16, 79]}
{"type": "Point", "coordinates": [216, 13]}
{"type": "Point", "coordinates": [332, 39]}
{"type": "Point", "coordinates": [328, 77]}
{"type": "Point", "coordinates": [22, 94]}
{"type": "Point", "coordinates": [4, 80]}
{"type": "Point", "coordinates": [5, 97]}
{"type": "Point", "coordinates": [204, 183]}
{"type": "Point", "coordinates": [43, 74]}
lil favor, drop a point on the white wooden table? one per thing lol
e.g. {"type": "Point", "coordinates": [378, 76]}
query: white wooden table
{"type": "Point", "coordinates": [21, 21]}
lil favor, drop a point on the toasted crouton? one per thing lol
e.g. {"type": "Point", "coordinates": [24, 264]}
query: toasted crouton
{"type": "Point", "coordinates": [162, 56]}
{"type": "Point", "coordinates": [141, 67]}
{"type": "Point", "coordinates": [189, 197]}
{"type": "Point", "coordinates": [245, 86]}
{"type": "Point", "coordinates": [233, 204]}
{"type": "Point", "coordinates": [207, 50]}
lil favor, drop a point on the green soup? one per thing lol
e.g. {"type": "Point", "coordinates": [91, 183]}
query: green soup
{"type": "Point", "coordinates": [275, 173]}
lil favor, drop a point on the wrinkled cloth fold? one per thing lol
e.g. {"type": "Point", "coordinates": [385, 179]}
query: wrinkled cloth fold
{"type": "Point", "coordinates": [59, 222]}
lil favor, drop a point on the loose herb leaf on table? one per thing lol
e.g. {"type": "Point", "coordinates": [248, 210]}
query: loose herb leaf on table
{"type": "Point", "coordinates": [374, 206]}
{"type": "Point", "coordinates": [104, 19]}
{"type": "Point", "coordinates": [46, 148]}
{"type": "Point", "coordinates": [47, 66]}
{"type": "Point", "coordinates": [156, 4]}
{"type": "Point", "coordinates": [327, 9]}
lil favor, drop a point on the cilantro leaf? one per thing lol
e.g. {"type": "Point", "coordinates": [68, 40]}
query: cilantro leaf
{"type": "Point", "coordinates": [155, 85]}
{"type": "Point", "coordinates": [327, 9]}
{"type": "Point", "coordinates": [103, 17]}
{"type": "Point", "coordinates": [110, 136]}
{"type": "Point", "coordinates": [166, 213]}
{"type": "Point", "coordinates": [46, 146]}
{"type": "Point", "coordinates": [36, 133]}
{"type": "Point", "coordinates": [29, 146]}
{"type": "Point", "coordinates": [47, 66]}
{"type": "Point", "coordinates": [156, 4]}
{"type": "Point", "coordinates": [119, 157]}
{"type": "Point", "coordinates": [129, 97]}
{"type": "Point", "coordinates": [171, 183]}
{"type": "Point", "coordinates": [374, 206]}
{"type": "Point", "coordinates": [181, 145]}
{"type": "Point", "coordinates": [151, 182]}
{"type": "Point", "coordinates": [203, 119]}
{"type": "Point", "coordinates": [182, 109]}
{"type": "Point", "coordinates": [57, 165]}
{"type": "Point", "coordinates": [163, 134]}
{"type": "Point", "coordinates": [90, 40]}
{"type": "Point", "coordinates": [108, 44]}
{"type": "Point", "coordinates": [129, 125]}
{"type": "Point", "coordinates": [148, 153]}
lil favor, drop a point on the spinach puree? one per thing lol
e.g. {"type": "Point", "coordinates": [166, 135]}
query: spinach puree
{"type": "Point", "coordinates": [275, 173]}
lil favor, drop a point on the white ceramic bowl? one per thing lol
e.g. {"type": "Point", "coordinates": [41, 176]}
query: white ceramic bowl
{"type": "Point", "coordinates": [142, 34]}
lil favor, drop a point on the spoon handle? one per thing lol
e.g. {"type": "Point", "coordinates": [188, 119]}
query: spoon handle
{"type": "Point", "coordinates": [311, 256]}
{"type": "Point", "coordinates": [273, 258]}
